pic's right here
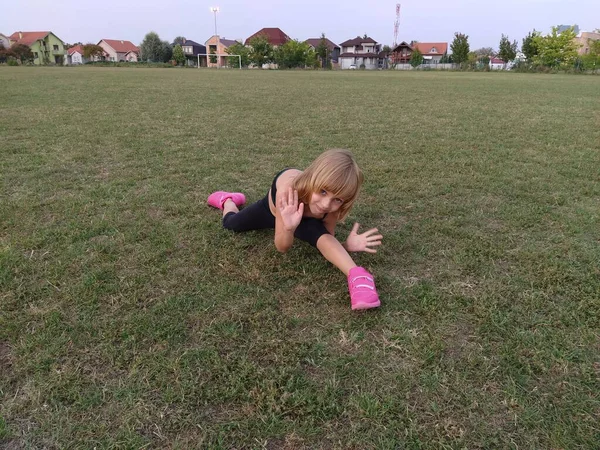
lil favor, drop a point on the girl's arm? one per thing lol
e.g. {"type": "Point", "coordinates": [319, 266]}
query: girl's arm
{"type": "Point", "coordinates": [288, 214]}
{"type": "Point", "coordinates": [363, 242]}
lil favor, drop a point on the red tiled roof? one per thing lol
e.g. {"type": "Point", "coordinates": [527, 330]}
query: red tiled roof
{"type": "Point", "coordinates": [315, 42]}
{"type": "Point", "coordinates": [274, 35]}
{"type": "Point", "coordinates": [494, 60]}
{"type": "Point", "coordinates": [78, 48]}
{"type": "Point", "coordinates": [28, 37]}
{"type": "Point", "coordinates": [121, 46]}
{"type": "Point", "coordinates": [358, 41]}
{"type": "Point", "coordinates": [426, 47]}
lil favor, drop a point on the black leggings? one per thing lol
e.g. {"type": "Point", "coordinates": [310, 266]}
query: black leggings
{"type": "Point", "coordinates": [258, 216]}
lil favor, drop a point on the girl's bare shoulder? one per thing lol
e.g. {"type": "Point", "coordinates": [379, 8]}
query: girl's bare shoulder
{"type": "Point", "coordinates": [286, 179]}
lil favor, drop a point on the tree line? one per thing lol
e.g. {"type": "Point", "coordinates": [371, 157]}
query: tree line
{"type": "Point", "coordinates": [556, 50]}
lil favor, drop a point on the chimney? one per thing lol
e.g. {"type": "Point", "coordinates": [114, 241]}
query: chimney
{"type": "Point", "coordinates": [20, 35]}
{"type": "Point", "coordinates": [122, 42]}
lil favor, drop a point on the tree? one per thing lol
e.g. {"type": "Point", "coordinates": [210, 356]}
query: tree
{"type": "Point", "coordinates": [238, 49]}
{"type": "Point", "coordinates": [167, 51]}
{"type": "Point", "coordinates": [507, 51]}
{"type": "Point", "coordinates": [386, 49]}
{"type": "Point", "coordinates": [460, 48]}
{"type": "Point", "coordinates": [68, 46]}
{"type": "Point", "coordinates": [322, 51]}
{"type": "Point", "coordinates": [178, 40]}
{"type": "Point", "coordinates": [21, 52]}
{"type": "Point", "coordinates": [529, 47]}
{"type": "Point", "coordinates": [556, 49]}
{"type": "Point", "coordinates": [5, 53]}
{"type": "Point", "coordinates": [295, 54]}
{"type": "Point", "coordinates": [152, 48]}
{"type": "Point", "coordinates": [473, 60]}
{"type": "Point", "coordinates": [178, 55]}
{"type": "Point", "coordinates": [261, 51]}
{"type": "Point", "coordinates": [485, 51]}
{"type": "Point", "coordinates": [416, 58]}
{"type": "Point", "coordinates": [91, 51]}
{"type": "Point", "coordinates": [446, 59]}
{"type": "Point", "coordinates": [213, 55]}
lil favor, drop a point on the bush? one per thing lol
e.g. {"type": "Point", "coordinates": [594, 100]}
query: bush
{"type": "Point", "coordinates": [128, 64]}
{"type": "Point", "coordinates": [12, 62]}
{"type": "Point", "coordinates": [362, 66]}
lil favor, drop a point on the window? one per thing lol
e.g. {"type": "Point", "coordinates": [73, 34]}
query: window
{"type": "Point", "coordinates": [112, 58]}
{"type": "Point", "coordinates": [55, 47]}
{"type": "Point", "coordinates": [35, 54]}
{"type": "Point", "coordinates": [433, 50]}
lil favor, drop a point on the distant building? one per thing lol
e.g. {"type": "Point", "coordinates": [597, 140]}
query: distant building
{"type": "Point", "coordinates": [47, 48]}
{"type": "Point", "coordinates": [584, 40]}
{"type": "Point", "coordinates": [562, 28]}
{"type": "Point", "coordinates": [193, 53]}
{"type": "Point", "coordinates": [4, 41]}
{"type": "Point", "coordinates": [119, 50]}
{"type": "Point", "coordinates": [361, 52]}
{"type": "Point", "coordinates": [219, 46]}
{"type": "Point", "coordinates": [275, 36]}
{"type": "Point", "coordinates": [332, 48]}
{"type": "Point", "coordinates": [75, 55]}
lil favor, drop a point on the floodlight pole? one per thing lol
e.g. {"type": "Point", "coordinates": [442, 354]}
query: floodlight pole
{"type": "Point", "coordinates": [215, 10]}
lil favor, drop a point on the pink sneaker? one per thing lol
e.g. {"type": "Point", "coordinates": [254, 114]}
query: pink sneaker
{"type": "Point", "coordinates": [361, 285]}
{"type": "Point", "coordinates": [216, 199]}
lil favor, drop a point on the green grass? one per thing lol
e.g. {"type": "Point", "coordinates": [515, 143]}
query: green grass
{"type": "Point", "coordinates": [129, 318]}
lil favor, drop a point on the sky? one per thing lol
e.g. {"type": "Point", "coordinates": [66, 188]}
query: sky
{"type": "Point", "coordinates": [484, 21]}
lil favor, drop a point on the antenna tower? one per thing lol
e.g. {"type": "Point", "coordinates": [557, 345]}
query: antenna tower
{"type": "Point", "coordinates": [396, 25]}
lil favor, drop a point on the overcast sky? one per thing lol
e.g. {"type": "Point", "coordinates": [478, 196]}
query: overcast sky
{"type": "Point", "coordinates": [423, 20]}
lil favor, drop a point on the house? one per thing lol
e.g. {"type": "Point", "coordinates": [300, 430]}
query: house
{"type": "Point", "coordinates": [333, 50]}
{"type": "Point", "coordinates": [496, 63]}
{"type": "Point", "coordinates": [362, 52]}
{"type": "Point", "coordinates": [432, 52]}
{"type": "Point", "coordinates": [584, 40]}
{"type": "Point", "coordinates": [4, 41]}
{"type": "Point", "coordinates": [192, 50]}
{"type": "Point", "coordinates": [47, 48]}
{"type": "Point", "coordinates": [119, 50]}
{"type": "Point", "coordinates": [402, 53]}
{"type": "Point", "coordinates": [219, 46]}
{"type": "Point", "coordinates": [75, 55]}
{"type": "Point", "coordinates": [275, 36]}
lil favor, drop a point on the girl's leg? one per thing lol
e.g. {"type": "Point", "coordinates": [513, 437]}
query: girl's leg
{"type": "Point", "coordinates": [314, 232]}
{"type": "Point", "coordinates": [254, 217]}
{"type": "Point", "coordinates": [361, 284]}
{"type": "Point", "coordinates": [335, 253]}
{"type": "Point", "coordinates": [229, 206]}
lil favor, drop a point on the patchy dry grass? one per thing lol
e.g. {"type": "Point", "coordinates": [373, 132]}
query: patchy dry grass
{"type": "Point", "coordinates": [129, 318]}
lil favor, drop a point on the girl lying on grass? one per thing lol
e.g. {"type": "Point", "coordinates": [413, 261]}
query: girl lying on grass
{"type": "Point", "coordinates": [308, 205]}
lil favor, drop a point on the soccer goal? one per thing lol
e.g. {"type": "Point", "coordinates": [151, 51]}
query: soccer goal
{"type": "Point", "coordinates": [217, 56]}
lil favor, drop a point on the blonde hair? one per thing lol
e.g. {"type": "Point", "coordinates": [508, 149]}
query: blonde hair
{"type": "Point", "coordinates": [335, 171]}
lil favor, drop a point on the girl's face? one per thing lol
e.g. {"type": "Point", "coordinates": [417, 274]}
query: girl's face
{"type": "Point", "coordinates": [324, 202]}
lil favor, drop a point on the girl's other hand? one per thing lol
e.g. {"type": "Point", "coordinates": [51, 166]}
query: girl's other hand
{"type": "Point", "coordinates": [291, 212]}
{"type": "Point", "coordinates": [363, 242]}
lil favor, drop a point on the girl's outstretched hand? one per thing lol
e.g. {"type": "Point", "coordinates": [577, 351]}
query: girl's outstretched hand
{"type": "Point", "coordinates": [289, 209]}
{"type": "Point", "coordinates": [363, 242]}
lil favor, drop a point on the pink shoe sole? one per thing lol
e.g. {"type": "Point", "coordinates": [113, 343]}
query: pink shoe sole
{"type": "Point", "coordinates": [217, 199]}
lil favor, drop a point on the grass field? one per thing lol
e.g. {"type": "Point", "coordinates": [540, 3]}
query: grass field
{"type": "Point", "coordinates": [130, 319]}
